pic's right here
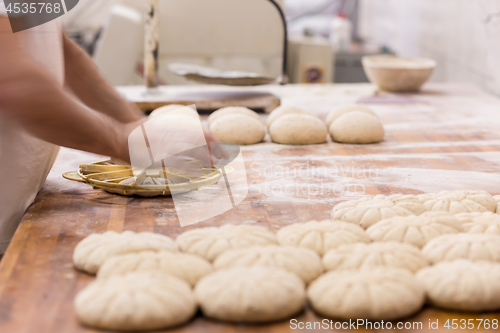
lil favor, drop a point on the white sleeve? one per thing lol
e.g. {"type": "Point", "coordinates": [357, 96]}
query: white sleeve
{"type": "Point", "coordinates": [3, 11]}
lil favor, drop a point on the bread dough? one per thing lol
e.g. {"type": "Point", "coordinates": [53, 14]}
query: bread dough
{"type": "Point", "coordinates": [238, 129]}
{"type": "Point", "coordinates": [480, 223]}
{"type": "Point", "coordinates": [368, 211]}
{"type": "Point", "coordinates": [497, 200]}
{"type": "Point", "coordinates": [340, 111]}
{"type": "Point", "coordinates": [381, 293]}
{"type": "Point", "coordinates": [360, 256]}
{"type": "Point", "coordinates": [233, 110]}
{"type": "Point", "coordinates": [304, 263]}
{"type": "Point", "coordinates": [321, 236]}
{"type": "Point", "coordinates": [212, 241]}
{"type": "Point", "coordinates": [459, 201]}
{"type": "Point", "coordinates": [250, 294]}
{"type": "Point", "coordinates": [136, 302]}
{"type": "Point", "coordinates": [93, 250]}
{"type": "Point", "coordinates": [298, 129]}
{"type": "Point", "coordinates": [175, 109]}
{"type": "Point", "coordinates": [473, 247]}
{"type": "Point", "coordinates": [462, 285]}
{"type": "Point", "coordinates": [357, 127]}
{"type": "Point", "coordinates": [284, 110]}
{"type": "Point", "coordinates": [187, 267]}
{"type": "Point", "coordinates": [415, 230]}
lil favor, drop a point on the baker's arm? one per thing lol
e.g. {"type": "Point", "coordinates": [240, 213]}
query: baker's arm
{"type": "Point", "coordinates": [87, 83]}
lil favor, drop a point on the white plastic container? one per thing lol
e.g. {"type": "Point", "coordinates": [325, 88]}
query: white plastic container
{"type": "Point", "coordinates": [341, 33]}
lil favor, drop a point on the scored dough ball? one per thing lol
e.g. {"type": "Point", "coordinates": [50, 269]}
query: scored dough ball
{"type": "Point", "coordinates": [473, 247]}
{"type": "Point", "coordinates": [321, 236]}
{"type": "Point", "coordinates": [357, 127]}
{"type": "Point", "coordinates": [212, 241]}
{"type": "Point", "coordinates": [381, 293]}
{"type": "Point", "coordinates": [284, 110]}
{"type": "Point", "coordinates": [187, 267]}
{"type": "Point", "coordinates": [337, 113]}
{"type": "Point", "coordinates": [175, 109]}
{"type": "Point", "coordinates": [136, 302]}
{"type": "Point", "coordinates": [480, 223]}
{"type": "Point", "coordinates": [459, 201]}
{"type": "Point", "coordinates": [368, 211]}
{"type": "Point", "coordinates": [361, 256]}
{"type": "Point", "coordinates": [415, 230]}
{"type": "Point", "coordinates": [250, 294]}
{"type": "Point", "coordinates": [298, 129]}
{"type": "Point", "coordinates": [93, 250]}
{"type": "Point", "coordinates": [302, 262]}
{"type": "Point", "coordinates": [238, 129]}
{"type": "Point", "coordinates": [462, 285]}
{"type": "Point", "coordinates": [232, 110]}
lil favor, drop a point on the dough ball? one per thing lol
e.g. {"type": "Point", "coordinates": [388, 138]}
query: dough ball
{"type": "Point", "coordinates": [368, 211]}
{"type": "Point", "coordinates": [298, 129]}
{"type": "Point", "coordinates": [175, 109]}
{"type": "Point", "coordinates": [233, 110]}
{"type": "Point", "coordinates": [93, 250]}
{"type": "Point", "coordinates": [357, 127]}
{"type": "Point", "coordinates": [136, 302]}
{"type": "Point", "coordinates": [415, 230]}
{"type": "Point", "coordinates": [321, 236]}
{"type": "Point", "coordinates": [187, 267]}
{"type": "Point", "coordinates": [459, 201]}
{"type": "Point", "coordinates": [462, 285]}
{"type": "Point", "coordinates": [304, 263]}
{"type": "Point", "coordinates": [238, 129]}
{"type": "Point", "coordinates": [250, 294]}
{"type": "Point", "coordinates": [284, 110]}
{"type": "Point", "coordinates": [361, 256]}
{"type": "Point", "coordinates": [182, 122]}
{"type": "Point", "coordinates": [337, 113]}
{"type": "Point", "coordinates": [497, 200]}
{"type": "Point", "coordinates": [473, 247]}
{"type": "Point", "coordinates": [480, 223]}
{"type": "Point", "coordinates": [381, 293]}
{"type": "Point", "coordinates": [212, 241]}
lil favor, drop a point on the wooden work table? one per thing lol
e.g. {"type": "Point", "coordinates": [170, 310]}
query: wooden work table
{"type": "Point", "coordinates": [444, 138]}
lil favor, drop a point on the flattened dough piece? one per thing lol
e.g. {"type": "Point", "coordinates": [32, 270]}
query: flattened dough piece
{"type": "Point", "coordinates": [321, 236]}
{"type": "Point", "coordinates": [381, 293]}
{"type": "Point", "coordinates": [462, 285]}
{"type": "Point", "coordinates": [298, 129]}
{"type": "Point", "coordinates": [136, 302]}
{"type": "Point", "coordinates": [480, 223]}
{"type": "Point", "coordinates": [238, 129]}
{"type": "Point", "coordinates": [250, 294]}
{"type": "Point", "coordinates": [474, 247]}
{"type": "Point", "coordinates": [93, 250]}
{"type": "Point", "coordinates": [175, 109]}
{"type": "Point", "coordinates": [282, 111]}
{"type": "Point", "coordinates": [302, 262]}
{"type": "Point", "coordinates": [233, 110]}
{"type": "Point", "coordinates": [459, 201]}
{"type": "Point", "coordinates": [357, 127]}
{"type": "Point", "coordinates": [362, 256]}
{"type": "Point", "coordinates": [209, 242]}
{"type": "Point", "coordinates": [342, 110]}
{"type": "Point", "coordinates": [187, 267]}
{"type": "Point", "coordinates": [415, 230]}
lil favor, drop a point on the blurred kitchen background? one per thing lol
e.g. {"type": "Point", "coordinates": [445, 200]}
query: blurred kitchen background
{"type": "Point", "coordinates": [326, 38]}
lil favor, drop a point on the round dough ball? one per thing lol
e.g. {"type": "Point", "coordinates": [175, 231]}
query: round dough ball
{"type": "Point", "coordinates": [459, 201]}
{"type": "Point", "coordinates": [175, 109]}
{"type": "Point", "coordinates": [357, 127]}
{"type": "Point", "coordinates": [233, 110]}
{"type": "Point", "coordinates": [238, 129]}
{"type": "Point", "coordinates": [284, 110]}
{"type": "Point", "coordinates": [473, 247]}
{"type": "Point", "coordinates": [212, 241]}
{"type": "Point", "coordinates": [415, 230]}
{"type": "Point", "coordinates": [250, 294]}
{"type": "Point", "coordinates": [480, 223]}
{"type": "Point", "coordinates": [136, 302]}
{"type": "Point", "coordinates": [462, 285]}
{"type": "Point", "coordinates": [381, 293]}
{"type": "Point", "coordinates": [304, 263]}
{"type": "Point", "coordinates": [180, 121]}
{"type": "Point", "coordinates": [93, 250]}
{"type": "Point", "coordinates": [368, 211]}
{"type": "Point", "coordinates": [187, 267]}
{"type": "Point", "coordinates": [321, 236]}
{"type": "Point", "coordinates": [298, 129]}
{"type": "Point", "coordinates": [362, 256]}
{"type": "Point", "coordinates": [337, 113]}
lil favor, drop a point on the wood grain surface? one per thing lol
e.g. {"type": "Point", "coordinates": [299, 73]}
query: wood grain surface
{"type": "Point", "coordinates": [444, 138]}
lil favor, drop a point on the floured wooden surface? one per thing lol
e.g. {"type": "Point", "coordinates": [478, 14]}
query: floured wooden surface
{"type": "Point", "coordinates": [445, 138]}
